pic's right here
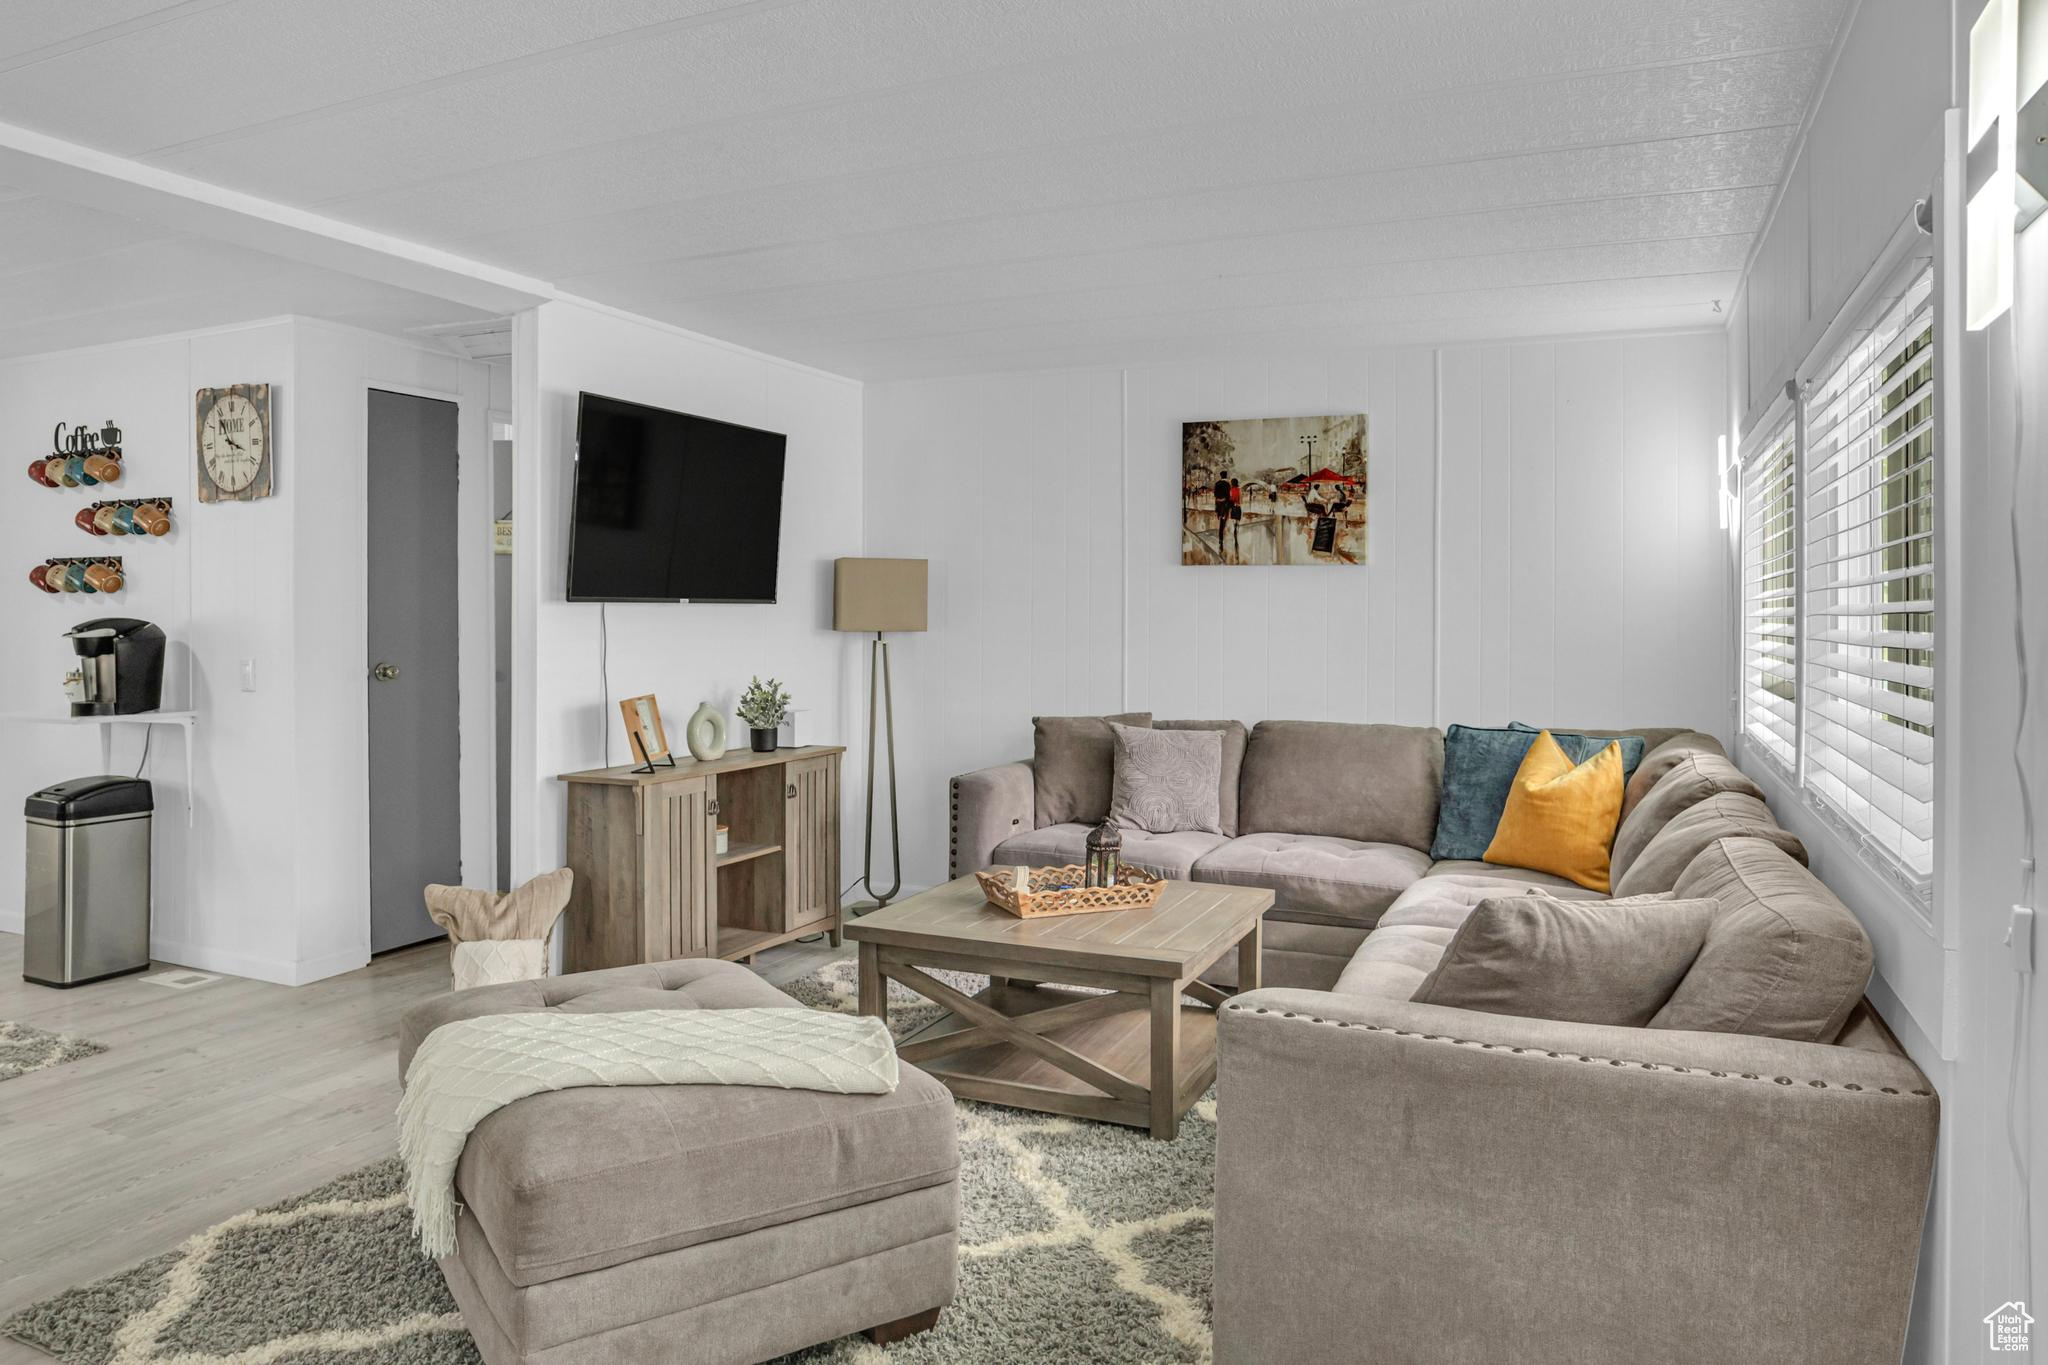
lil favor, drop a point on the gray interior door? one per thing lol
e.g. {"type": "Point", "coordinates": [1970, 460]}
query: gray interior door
{"type": "Point", "coordinates": [501, 610]}
{"type": "Point", "coordinates": [415, 779]}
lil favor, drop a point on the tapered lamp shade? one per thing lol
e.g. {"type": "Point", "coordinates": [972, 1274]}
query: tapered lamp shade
{"type": "Point", "coordinates": [870, 595]}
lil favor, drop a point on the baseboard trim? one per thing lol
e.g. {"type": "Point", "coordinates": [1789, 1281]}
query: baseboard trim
{"type": "Point", "coordinates": [300, 973]}
{"type": "Point", "coordinates": [336, 963]}
{"type": "Point", "coordinates": [206, 959]}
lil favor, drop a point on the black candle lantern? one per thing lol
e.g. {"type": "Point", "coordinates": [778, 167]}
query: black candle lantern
{"type": "Point", "coordinates": [1105, 854]}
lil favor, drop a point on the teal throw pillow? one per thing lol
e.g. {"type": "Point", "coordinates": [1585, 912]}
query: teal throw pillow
{"type": "Point", "coordinates": [1479, 769]}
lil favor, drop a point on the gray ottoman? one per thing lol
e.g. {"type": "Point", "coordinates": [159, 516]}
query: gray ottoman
{"type": "Point", "coordinates": [699, 1224]}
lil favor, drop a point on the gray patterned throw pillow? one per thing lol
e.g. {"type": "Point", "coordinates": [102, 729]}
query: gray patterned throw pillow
{"type": "Point", "coordinates": [1167, 780]}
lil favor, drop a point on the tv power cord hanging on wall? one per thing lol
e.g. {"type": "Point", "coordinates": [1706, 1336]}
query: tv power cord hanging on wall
{"type": "Point", "coordinates": [604, 678]}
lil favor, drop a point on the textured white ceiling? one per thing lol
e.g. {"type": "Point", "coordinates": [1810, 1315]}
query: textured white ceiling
{"type": "Point", "coordinates": [917, 186]}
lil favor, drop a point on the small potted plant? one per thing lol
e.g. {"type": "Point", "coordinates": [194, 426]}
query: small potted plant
{"type": "Point", "coordinates": [762, 706]}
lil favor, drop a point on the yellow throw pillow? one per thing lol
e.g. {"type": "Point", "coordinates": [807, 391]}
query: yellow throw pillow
{"type": "Point", "coordinates": [1561, 818]}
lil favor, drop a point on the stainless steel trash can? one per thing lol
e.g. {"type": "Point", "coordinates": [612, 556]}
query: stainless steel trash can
{"type": "Point", "coordinates": [87, 909]}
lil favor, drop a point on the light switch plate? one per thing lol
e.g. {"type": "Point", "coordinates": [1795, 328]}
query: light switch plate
{"type": "Point", "coordinates": [248, 675]}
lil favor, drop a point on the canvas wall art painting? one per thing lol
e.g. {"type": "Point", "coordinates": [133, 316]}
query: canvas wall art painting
{"type": "Point", "coordinates": [1274, 490]}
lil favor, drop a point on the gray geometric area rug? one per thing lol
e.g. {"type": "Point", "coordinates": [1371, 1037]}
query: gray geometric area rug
{"type": "Point", "coordinates": [24, 1049]}
{"type": "Point", "coordinates": [1079, 1242]}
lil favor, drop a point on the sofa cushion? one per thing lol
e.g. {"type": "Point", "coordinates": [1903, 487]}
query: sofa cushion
{"type": "Point", "coordinates": [1169, 855]}
{"type": "Point", "coordinates": [1661, 759]}
{"type": "Point", "coordinates": [1166, 781]}
{"type": "Point", "coordinates": [1721, 816]}
{"type": "Point", "coordinates": [1783, 959]}
{"type": "Point", "coordinates": [1505, 880]}
{"type": "Point", "coordinates": [1589, 962]}
{"type": "Point", "coordinates": [1415, 930]}
{"type": "Point", "coordinates": [575, 1180]}
{"type": "Point", "coordinates": [1479, 771]}
{"type": "Point", "coordinates": [1561, 815]}
{"type": "Point", "coordinates": [1235, 736]}
{"type": "Point", "coordinates": [1373, 784]}
{"type": "Point", "coordinates": [1317, 876]}
{"type": "Point", "coordinates": [1413, 933]}
{"type": "Point", "coordinates": [1071, 766]}
{"type": "Point", "coordinates": [1394, 961]}
{"type": "Point", "coordinates": [1689, 781]}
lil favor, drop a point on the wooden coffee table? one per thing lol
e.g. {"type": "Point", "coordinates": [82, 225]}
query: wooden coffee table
{"type": "Point", "coordinates": [1138, 1055]}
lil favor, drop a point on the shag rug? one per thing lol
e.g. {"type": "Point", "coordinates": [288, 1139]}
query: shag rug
{"type": "Point", "coordinates": [24, 1049]}
{"type": "Point", "coordinates": [1079, 1242]}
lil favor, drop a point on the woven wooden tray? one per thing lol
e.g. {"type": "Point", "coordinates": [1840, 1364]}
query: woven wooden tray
{"type": "Point", "coordinates": [1135, 889]}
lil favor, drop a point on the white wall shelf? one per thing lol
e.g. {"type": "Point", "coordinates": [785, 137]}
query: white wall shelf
{"type": "Point", "coordinates": [183, 720]}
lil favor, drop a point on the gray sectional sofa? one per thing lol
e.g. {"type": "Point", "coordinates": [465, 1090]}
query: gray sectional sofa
{"type": "Point", "coordinates": [1744, 1178]}
{"type": "Point", "coordinates": [1335, 819]}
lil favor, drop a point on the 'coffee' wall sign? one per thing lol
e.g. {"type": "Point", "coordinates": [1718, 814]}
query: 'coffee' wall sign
{"type": "Point", "coordinates": [83, 442]}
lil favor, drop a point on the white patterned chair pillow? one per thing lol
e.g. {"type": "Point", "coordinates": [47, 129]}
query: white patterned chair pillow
{"type": "Point", "coordinates": [492, 961]}
{"type": "Point", "coordinates": [1167, 781]}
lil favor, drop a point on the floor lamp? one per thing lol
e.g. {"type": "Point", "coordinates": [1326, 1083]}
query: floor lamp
{"type": "Point", "coordinates": [873, 596]}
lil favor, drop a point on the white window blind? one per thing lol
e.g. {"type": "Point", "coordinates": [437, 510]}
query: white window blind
{"type": "Point", "coordinates": [1869, 551]}
{"type": "Point", "coordinates": [1770, 697]}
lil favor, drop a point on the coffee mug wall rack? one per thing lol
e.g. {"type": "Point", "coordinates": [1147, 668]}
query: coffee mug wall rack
{"type": "Point", "coordinates": [78, 573]}
{"type": "Point", "coordinates": [79, 457]}
{"type": "Point", "coordinates": [77, 471]}
{"type": "Point", "coordinates": [126, 517]}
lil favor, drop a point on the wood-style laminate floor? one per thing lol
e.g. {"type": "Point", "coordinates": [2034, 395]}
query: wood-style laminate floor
{"type": "Point", "coordinates": [207, 1101]}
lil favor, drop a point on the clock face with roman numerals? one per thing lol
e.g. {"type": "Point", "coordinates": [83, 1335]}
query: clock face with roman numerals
{"type": "Point", "coordinates": [234, 442]}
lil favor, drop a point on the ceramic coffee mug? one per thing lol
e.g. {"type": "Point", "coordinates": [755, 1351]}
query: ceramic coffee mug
{"type": "Point", "coordinates": [58, 470]}
{"type": "Point", "coordinates": [103, 469]}
{"type": "Point", "coordinates": [108, 521]}
{"type": "Point", "coordinates": [39, 474]}
{"type": "Point", "coordinates": [76, 472]}
{"type": "Point", "coordinates": [85, 519]}
{"type": "Point", "coordinates": [102, 578]}
{"type": "Point", "coordinates": [71, 577]}
{"type": "Point", "coordinates": [152, 518]}
{"type": "Point", "coordinates": [124, 521]}
{"type": "Point", "coordinates": [39, 575]}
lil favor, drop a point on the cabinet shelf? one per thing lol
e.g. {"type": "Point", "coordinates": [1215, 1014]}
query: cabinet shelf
{"type": "Point", "coordinates": [734, 944]}
{"type": "Point", "coordinates": [739, 853]}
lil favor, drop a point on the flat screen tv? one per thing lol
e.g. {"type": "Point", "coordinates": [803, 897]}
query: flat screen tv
{"type": "Point", "coordinates": [670, 507]}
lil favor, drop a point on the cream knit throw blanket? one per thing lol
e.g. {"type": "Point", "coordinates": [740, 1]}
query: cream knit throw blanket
{"type": "Point", "coordinates": [467, 1070]}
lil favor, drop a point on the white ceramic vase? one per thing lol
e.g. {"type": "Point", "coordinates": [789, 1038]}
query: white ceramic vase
{"type": "Point", "coordinates": [705, 734]}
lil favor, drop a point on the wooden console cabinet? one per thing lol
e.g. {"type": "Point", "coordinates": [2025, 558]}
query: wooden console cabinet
{"type": "Point", "coordinates": [649, 885]}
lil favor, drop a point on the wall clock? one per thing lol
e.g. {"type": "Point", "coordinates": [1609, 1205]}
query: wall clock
{"type": "Point", "coordinates": [234, 442]}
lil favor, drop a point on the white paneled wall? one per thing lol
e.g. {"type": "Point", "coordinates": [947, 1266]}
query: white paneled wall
{"type": "Point", "coordinates": [1543, 547]}
{"type": "Point", "coordinates": [1873, 147]}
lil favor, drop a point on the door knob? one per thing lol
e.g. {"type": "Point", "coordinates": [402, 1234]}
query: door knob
{"type": "Point", "coordinates": [384, 672]}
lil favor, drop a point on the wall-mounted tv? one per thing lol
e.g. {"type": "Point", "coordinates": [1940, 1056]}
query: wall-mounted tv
{"type": "Point", "coordinates": [670, 507]}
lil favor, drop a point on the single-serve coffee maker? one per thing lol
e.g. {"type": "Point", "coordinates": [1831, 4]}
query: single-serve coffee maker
{"type": "Point", "coordinates": [120, 667]}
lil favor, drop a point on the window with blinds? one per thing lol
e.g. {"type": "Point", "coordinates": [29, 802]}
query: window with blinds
{"type": "Point", "coordinates": [1769, 688]}
{"type": "Point", "coordinates": [1868, 533]}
